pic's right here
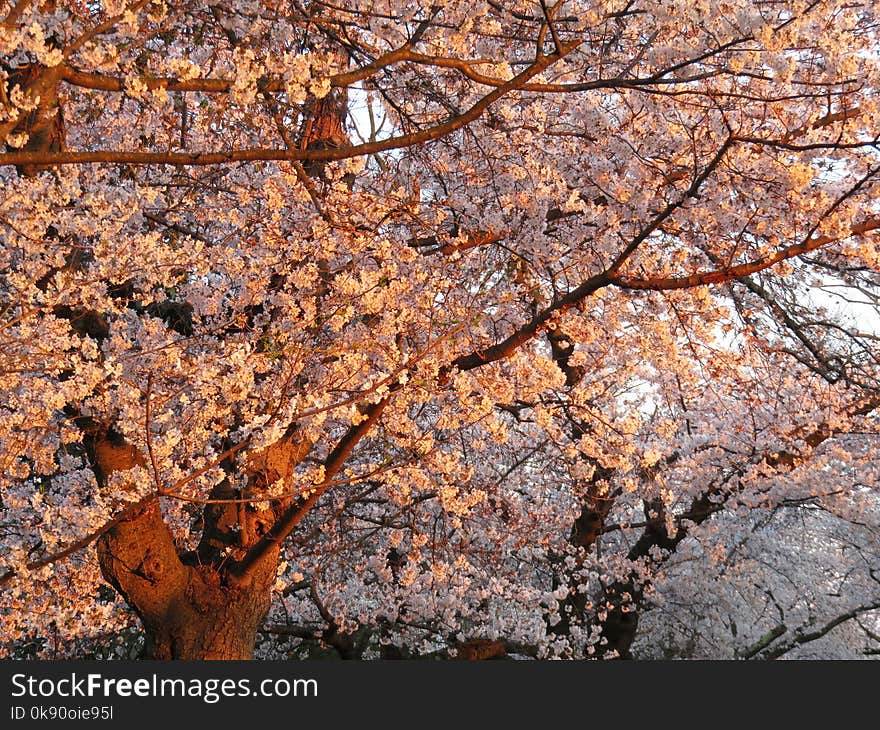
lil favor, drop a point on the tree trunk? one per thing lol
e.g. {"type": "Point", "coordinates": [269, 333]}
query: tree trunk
{"type": "Point", "coordinates": [208, 621]}
{"type": "Point", "coordinates": [189, 611]}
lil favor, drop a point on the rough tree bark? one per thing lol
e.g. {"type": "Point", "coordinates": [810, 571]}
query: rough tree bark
{"type": "Point", "coordinates": [194, 605]}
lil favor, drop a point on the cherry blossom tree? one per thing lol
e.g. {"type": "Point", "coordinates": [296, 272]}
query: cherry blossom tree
{"type": "Point", "coordinates": [462, 329]}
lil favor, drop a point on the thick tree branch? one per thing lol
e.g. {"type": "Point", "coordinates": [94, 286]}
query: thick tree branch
{"type": "Point", "coordinates": [82, 543]}
{"type": "Point", "coordinates": [731, 273]}
{"type": "Point", "coordinates": [259, 154]}
{"type": "Point", "coordinates": [528, 331]}
{"type": "Point", "coordinates": [285, 524]}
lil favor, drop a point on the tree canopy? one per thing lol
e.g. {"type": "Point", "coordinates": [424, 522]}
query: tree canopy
{"type": "Point", "coordinates": [458, 329]}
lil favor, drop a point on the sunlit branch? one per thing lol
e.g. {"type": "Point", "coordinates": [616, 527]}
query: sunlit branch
{"type": "Point", "coordinates": [721, 276]}
{"type": "Point", "coordinates": [83, 542]}
{"type": "Point", "coordinates": [260, 154]}
{"type": "Point", "coordinates": [292, 516]}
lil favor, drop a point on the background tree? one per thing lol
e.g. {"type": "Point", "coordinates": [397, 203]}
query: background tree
{"type": "Point", "coordinates": [471, 328]}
